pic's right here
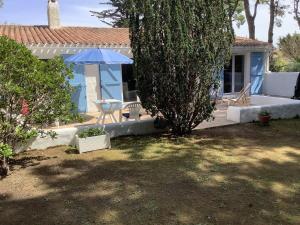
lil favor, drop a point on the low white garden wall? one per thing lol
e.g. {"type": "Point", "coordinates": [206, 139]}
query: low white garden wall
{"type": "Point", "coordinates": [280, 108]}
{"type": "Point", "coordinates": [280, 84]}
{"type": "Point", "coordinates": [66, 136]}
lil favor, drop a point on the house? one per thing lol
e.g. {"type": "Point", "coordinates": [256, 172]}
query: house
{"type": "Point", "coordinates": [248, 64]}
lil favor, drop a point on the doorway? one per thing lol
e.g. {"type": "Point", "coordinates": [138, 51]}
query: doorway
{"type": "Point", "coordinates": [129, 83]}
{"type": "Point", "coordinates": [234, 75]}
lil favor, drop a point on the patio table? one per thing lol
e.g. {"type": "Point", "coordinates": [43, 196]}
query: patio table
{"type": "Point", "coordinates": [109, 107]}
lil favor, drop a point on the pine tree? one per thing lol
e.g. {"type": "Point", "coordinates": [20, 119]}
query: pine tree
{"type": "Point", "coordinates": [115, 14]}
{"type": "Point", "coordinates": [179, 48]}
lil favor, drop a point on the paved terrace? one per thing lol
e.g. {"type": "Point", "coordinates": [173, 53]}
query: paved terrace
{"type": "Point", "coordinates": [220, 116]}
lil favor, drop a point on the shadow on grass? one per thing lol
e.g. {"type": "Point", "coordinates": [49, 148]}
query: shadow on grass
{"type": "Point", "coordinates": [219, 176]}
{"type": "Point", "coordinates": [27, 161]}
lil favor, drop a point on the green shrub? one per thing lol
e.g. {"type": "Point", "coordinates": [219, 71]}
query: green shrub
{"type": "Point", "coordinates": [91, 132]}
{"type": "Point", "coordinates": [277, 62]}
{"type": "Point", "coordinates": [73, 118]}
{"type": "Point", "coordinates": [264, 113]}
{"type": "Point", "coordinates": [34, 93]}
{"type": "Point", "coordinates": [293, 67]}
{"type": "Point", "coordinates": [6, 151]}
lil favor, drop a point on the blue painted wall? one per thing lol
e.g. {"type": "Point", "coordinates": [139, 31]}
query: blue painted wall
{"type": "Point", "coordinates": [79, 83]}
{"type": "Point", "coordinates": [257, 72]}
{"type": "Point", "coordinates": [111, 82]}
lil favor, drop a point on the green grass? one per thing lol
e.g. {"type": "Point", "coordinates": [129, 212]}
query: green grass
{"type": "Point", "coordinates": [245, 174]}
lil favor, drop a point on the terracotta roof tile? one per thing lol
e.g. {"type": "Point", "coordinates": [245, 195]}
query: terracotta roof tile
{"type": "Point", "coordinates": [83, 35]}
{"type": "Point", "coordinates": [242, 41]}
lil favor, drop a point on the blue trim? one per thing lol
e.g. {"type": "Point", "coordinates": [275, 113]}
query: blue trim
{"type": "Point", "coordinates": [111, 81]}
{"type": "Point", "coordinates": [79, 83]}
{"type": "Point", "coordinates": [257, 72]}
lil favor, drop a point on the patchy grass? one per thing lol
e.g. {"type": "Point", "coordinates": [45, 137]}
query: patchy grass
{"type": "Point", "coordinates": [243, 174]}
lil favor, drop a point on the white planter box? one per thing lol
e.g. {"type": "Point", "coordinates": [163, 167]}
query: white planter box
{"type": "Point", "coordinates": [93, 143]}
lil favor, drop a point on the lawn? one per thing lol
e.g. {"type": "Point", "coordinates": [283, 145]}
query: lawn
{"type": "Point", "coordinates": [244, 174]}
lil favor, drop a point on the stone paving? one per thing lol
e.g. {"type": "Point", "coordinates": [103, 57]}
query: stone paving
{"type": "Point", "coordinates": [220, 119]}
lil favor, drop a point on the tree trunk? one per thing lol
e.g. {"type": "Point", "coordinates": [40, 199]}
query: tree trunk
{"type": "Point", "coordinates": [272, 21]}
{"type": "Point", "coordinates": [251, 18]}
{"type": "Point", "coordinates": [4, 168]}
{"type": "Point", "coordinates": [251, 28]}
{"type": "Point", "coordinates": [297, 11]}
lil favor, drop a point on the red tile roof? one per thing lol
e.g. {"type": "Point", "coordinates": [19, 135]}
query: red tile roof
{"type": "Point", "coordinates": [82, 35]}
{"type": "Point", "coordinates": [65, 35]}
{"type": "Point", "coordinates": [242, 41]}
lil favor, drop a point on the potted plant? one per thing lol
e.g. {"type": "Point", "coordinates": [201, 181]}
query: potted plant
{"type": "Point", "coordinates": [92, 139]}
{"type": "Point", "coordinates": [264, 117]}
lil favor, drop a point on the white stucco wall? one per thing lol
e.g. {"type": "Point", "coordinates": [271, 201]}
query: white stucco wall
{"type": "Point", "coordinates": [268, 100]}
{"type": "Point", "coordinates": [280, 108]}
{"type": "Point", "coordinates": [66, 136]}
{"type": "Point", "coordinates": [93, 92]}
{"type": "Point", "coordinates": [280, 84]}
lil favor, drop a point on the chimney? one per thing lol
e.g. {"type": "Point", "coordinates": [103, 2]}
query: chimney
{"type": "Point", "coordinates": [53, 14]}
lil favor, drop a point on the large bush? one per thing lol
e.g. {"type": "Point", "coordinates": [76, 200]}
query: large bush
{"type": "Point", "coordinates": [180, 48]}
{"type": "Point", "coordinates": [34, 93]}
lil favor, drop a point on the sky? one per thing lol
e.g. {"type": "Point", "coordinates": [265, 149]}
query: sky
{"type": "Point", "coordinates": [76, 13]}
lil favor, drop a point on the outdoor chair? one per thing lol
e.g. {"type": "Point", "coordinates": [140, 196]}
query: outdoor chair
{"type": "Point", "coordinates": [242, 98]}
{"type": "Point", "coordinates": [134, 111]}
{"type": "Point", "coordinates": [108, 108]}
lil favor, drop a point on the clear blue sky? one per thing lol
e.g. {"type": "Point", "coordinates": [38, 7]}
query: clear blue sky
{"type": "Point", "coordinates": [76, 13]}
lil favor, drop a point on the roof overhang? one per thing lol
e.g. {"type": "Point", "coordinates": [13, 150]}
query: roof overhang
{"type": "Point", "coordinates": [48, 51]}
{"type": "Point", "coordinates": [245, 49]}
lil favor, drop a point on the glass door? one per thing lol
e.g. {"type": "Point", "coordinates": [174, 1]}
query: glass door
{"type": "Point", "coordinates": [238, 73]}
{"type": "Point", "coordinates": [234, 75]}
{"type": "Point", "coordinates": [228, 77]}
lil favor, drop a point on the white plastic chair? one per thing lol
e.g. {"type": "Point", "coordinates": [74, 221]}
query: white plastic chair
{"type": "Point", "coordinates": [109, 107]}
{"type": "Point", "coordinates": [134, 111]}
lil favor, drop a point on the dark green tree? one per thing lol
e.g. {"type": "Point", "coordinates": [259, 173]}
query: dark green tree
{"type": "Point", "coordinates": [179, 49]}
{"type": "Point", "coordinates": [115, 15]}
